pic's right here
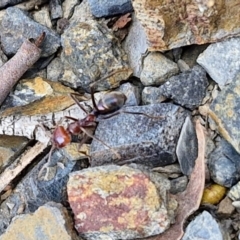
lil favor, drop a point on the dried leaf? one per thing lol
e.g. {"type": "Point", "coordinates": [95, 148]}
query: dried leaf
{"type": "Point", "coordinates": [190, 199]}
{"type": "Point", "coordinates": [122, 21]}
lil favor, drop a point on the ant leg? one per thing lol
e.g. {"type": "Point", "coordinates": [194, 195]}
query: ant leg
{"type": "Point", "coordinates": [73, 96]}
{"type": "Point", "coordinates": [71, 118]}
{"type": "Point", "coordinates": [137, 113]}
{"type": "Point", "coordinates": [93, 99]}
{"type": "Point", "coordinates": [103, 143]}
{"type": "Point", "coordinates": [46, 165]}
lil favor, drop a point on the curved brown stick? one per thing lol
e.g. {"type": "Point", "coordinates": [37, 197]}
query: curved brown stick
{"type": "Point", "coordinates": [13, 69]}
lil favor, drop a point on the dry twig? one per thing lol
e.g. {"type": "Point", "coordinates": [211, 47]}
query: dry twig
{"type": "Point", "coordinates": [12, 70]}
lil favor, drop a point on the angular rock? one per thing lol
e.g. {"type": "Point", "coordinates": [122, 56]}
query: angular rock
{"type": "Point", "coordinates": [224, 164]}
{"type": "Point", "coordinates": [32, 192]}
{"type": "Point", "coordinates": [17, 26]}
{"type": "Point", "coordinates": [225, 111]}
{"type": "Point", "coordinates": [110, 7]}
{"type": "Point", "coordinates": [3, 58]}
{"type": "Point", "coordinates": [132, 93]}
{"type": "Point", "coordinates": [136, 46]}
{"type": "Point", "coordinates": [225, 208]}
{"type": "Point", "coordinates": [10, 148]}
{"type": "Point", "coordinates": [43, 17]}
{"type": "Point", "coordinates": [55, 69]}
{"type": "Point", "coordinates": [152, 95]}
{"type": "Point", "coordinates": [222, 61]}
{"type": "Point", "coordinates": [204, 226]}
{"type": "Point", "coordinates": [50, 221]}
{"type": "Point", "coordinates": [55, 9]}
{"type": "Point", "coordinates": [178, 185]}
{"type": "Point", "coordinates": [120, 202]}
{"type": "Point", "coordinates": [187, 147]}
{"type": "Point", "coordinates": [156, 69]}
{"type": "Point", "coordinates": [90, 51]}
{"type": "Point", "coordinates": [234, 192]}
{"type": "Point", "coordinates": [138, 138]}
{"type": "Point", "coordinates": [68, 7]}
{"type": "Point", "coordinates": [188, 88]}
{"type": "Point", "coordinates": [171, 25]}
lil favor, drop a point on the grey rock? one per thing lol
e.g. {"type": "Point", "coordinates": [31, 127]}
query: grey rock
{"type": "Point", "coordinates": [234, 192]}
{"type": "Point", "coordinates": [68, 7]}
{"type": "Point", "coordinates": [203, 227]}
{"type": "Point", "coordinates": [222, 60]}
{"type": "Point", "coordinates": [90, 51]}
{"type": "Point", "coordinates": [132, 93]}
{"type": "Point", "coordinates": [178, 184]}
{"type": "Point", "coordinates": [4, 3]}
{"type": "Point", "coordinates": [110, 7]}
{"type": "Point", "coordinates": [225, 112]}
{"type": "Point", "coordinates": [16, 26]}
{"type": "Point", "coordinates": [55, 69]}
{"type": "Point", "coordinates": [138, 138]}
{"type": "Point", "coordinates": [42, 16]}
{"type": "Point", "coordinates": [224, 164]}
{"type": "Point", "coordinates": [32, 192]}
{"type": "Point", "coordinates": [183, 66]}
{"type": "Point", "coordinates": [55, 9]}
{"type": "Point", "coordinates": [188, 88]}
{"type": "Point", "coordinates": [187, 147]}
{"type": "Point", "coordinates": [156, 69]}
{"type": "Point", "coordinates": [136, 46]}
{"type": "Point", "coordinates": [3, 57]}
{"type": "Point", "coordinates": [152, 95]}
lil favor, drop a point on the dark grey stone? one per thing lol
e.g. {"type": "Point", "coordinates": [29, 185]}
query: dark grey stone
{"type": "Point", "coordinates": [187, 147]}
{"type": "Point", "coordinates": [188, 88]}
{"type": "Point", "coordinates": [33, 193]}
{"type": "Point", "coordinates": [224, 164]}
{"type": "Point", "coordinates": [100, 8]}
{"type": "Point", "coordinates": [17, 26]}
{"type": "Point", "coordinates": [203, 227]}
{"type": "Point", "coordinates": [152, 95]}
{"type": "Point", "coordinates": [132, 93]}
{"type": "Point", "coordinates": [138, 138]}
{"type": "Point", "coordinates": [178, 184]}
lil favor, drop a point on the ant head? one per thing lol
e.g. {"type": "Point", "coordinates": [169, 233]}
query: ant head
{"type": "Point", "coordinates": [61, 137]}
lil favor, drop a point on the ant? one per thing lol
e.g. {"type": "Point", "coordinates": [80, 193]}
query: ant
{"type": "Point", "coordinates": [110, 105]}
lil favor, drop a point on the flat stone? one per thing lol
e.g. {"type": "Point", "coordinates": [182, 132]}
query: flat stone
{"type": "Point", "coordinates": [110, 7]}
{"type": "Point", "coordinates": [187, 147]}
{"type": "Point", "coordinates": [188, 88]}
{"type": "Point", "coordinates": [16, 26]}
{"type": "Point", "coordinates": [132, 202]}
{"type": "Point", "coordinates": [139, 138]}
{"type": "Point", "coordinates": [224, 165]}
{"type": "Point", "coordinates": [204, 226]}
{"type": "Point", "coordinates": [50, 221]}
{"type": "Point", "coordinates": [87, 47]}
{"type": "Point", "coordinates": [157, 68]}
{"type": "Point", "coordinates": [171, 25]}
{"type": "Point", "coordinates": [222, 61]}
{"type": "Point", "coordinates": [225, 112]}
{"type": "Point", "coordinates": [152, 95]}
{"type": "Point", "coordinates": [179, 185]}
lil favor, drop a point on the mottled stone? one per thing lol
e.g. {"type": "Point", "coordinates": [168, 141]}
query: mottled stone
{"type": "Point", "coordinates": [55, 69]}
{"type": "Point", "coordinates": [224, 164]}
{"type": "Point", "coordinates": [225, 111]}
{"type": "Point", "coordinates": [135, 46]}
{"type": "Point", "coordinates": [171, 25]}
{"type": "Point", "coordinates": [16, 26]}
{"type": "Point", "coordinates": [152, 95]}
{"type": "Point", "coordinates": [225, 208]}
{"type": "Point", "coordinates": [68, 7]}
{"type": "Point", "coordinates": [43, 17]}
{"type": "Point", "coordinates": [110, 7]}
{"type": "Point", "coordinates": [222, 61]}
{"type": "Point", "coordinates": [187, 147]}
{"type": "Point", "coordinates": [156, 69]}
{"type": "Point", "coordinates": [3, 57]}
{"type": "Point", "coordinates": [178, 185]}
{"type": "Point", "coordinates": [132, 93]}
{"type": "Point", "coordinates": [138, 138]}
{"type": "Point", "coordinates": [90, 51]}
{"type": "Point", "coordinates": [55, 7]}
{"type": "Point", "coordinates": [234, 192]}
{"type": "Point", "coordinates": [31, 192]}
{"type": "Point", "coordinates": [204, 226]}
{"type": "Point", "coordinates": [120, 202]}
{"type": "Point", "coordinates": [10, 148]}
{"type": "Point", "coordinates": [50, 221]}
{"type": "Point", "coordinates": [188, 88]}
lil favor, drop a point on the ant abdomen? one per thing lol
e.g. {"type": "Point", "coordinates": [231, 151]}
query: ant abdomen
{"type": "Point", "coordinates": [61, 137]}
{"type": "Point", "coordinates": [111, 102]}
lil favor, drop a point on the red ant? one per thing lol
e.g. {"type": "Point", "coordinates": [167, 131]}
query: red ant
{"type": "Point", "coordinates": [109, 104]}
